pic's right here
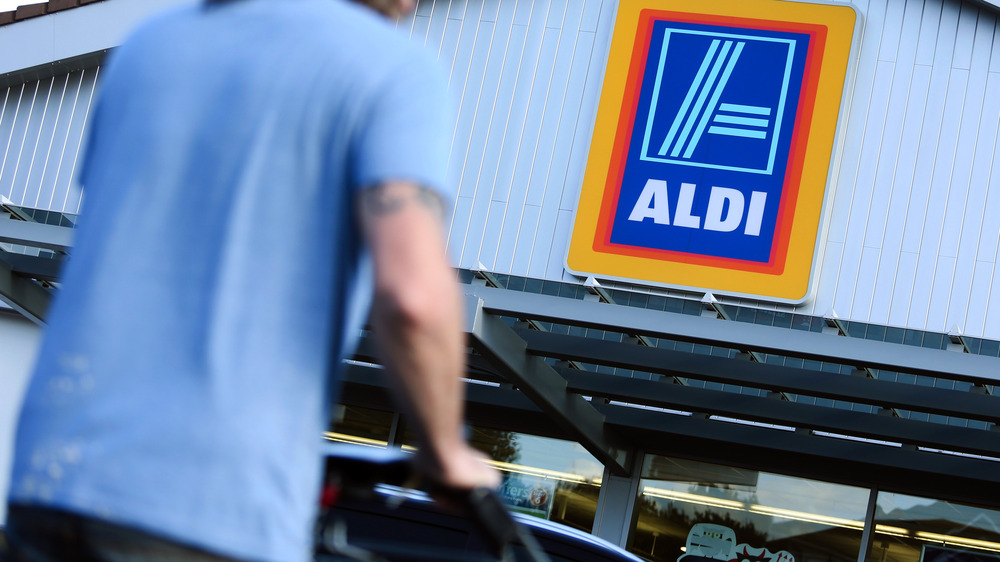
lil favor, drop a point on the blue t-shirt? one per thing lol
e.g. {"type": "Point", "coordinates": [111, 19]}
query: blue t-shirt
{"type": "Point", "coordinates": [218, 275]}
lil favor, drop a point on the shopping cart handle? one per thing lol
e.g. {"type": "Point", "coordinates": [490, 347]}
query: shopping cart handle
{"type": "Point", "coordinates": [360, 469]}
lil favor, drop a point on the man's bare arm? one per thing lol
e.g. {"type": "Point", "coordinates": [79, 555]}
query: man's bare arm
{"type": "Point", "coordinates": [417, 317]}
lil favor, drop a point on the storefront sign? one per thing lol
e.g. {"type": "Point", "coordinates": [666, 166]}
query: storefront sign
{"type": "Point", "coordinates": [529, 495]}
{"type": "Point", "coordinates": [712, 148]}
{"type": "Point", "coordinates": [707, 542]}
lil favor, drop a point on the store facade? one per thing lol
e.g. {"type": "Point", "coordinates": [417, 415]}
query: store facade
{"type": "Point", "coordinates": [709, 417]}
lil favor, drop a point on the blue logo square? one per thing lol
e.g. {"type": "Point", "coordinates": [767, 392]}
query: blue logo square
{"type": "Point", "coordinates": [731, 86]}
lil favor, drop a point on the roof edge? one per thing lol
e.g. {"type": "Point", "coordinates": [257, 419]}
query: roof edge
{"type": "Point", "coordinates": [29, 11]}
{"type": "Point", "coordinates": [70, 29]}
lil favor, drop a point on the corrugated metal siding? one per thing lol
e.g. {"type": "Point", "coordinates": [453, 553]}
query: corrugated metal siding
{"type": "Point", "coordinates": [41, 132]}
{"type": "Point", "coordinates": [913, 236]}
{"type": "Point", "coordinates": [523, 76]}
{"type": "Point", "coordinates": [915, 215]}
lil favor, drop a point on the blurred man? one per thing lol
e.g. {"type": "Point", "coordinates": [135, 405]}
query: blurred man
{"type": "Point", "coordinates": [257, 169]}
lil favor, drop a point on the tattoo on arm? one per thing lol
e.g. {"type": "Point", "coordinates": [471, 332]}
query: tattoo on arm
{"type": "Point", "coordinates": [383, 199]}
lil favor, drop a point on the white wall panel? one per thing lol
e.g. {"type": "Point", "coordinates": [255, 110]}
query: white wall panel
{"type": "Point", "coordinates": [41, 133]}
{"type": "Point", "coordinates": [925, 103]}
{"type": "Point", "coordinates": [513, 99]}
{"type": "Point", "coordinates": [995, 57]}
{"type": "Point", "coordinates": [525, 242]}
{"type": "Point", "coordinates": [882, 160]}
{"type": "Point", "coordinates": [982, 280]}
{"type": "Point", "coordinates": [912, 214]}
{"type": "Point", "coordinates": [959, 137]}
{"type": "Point", "coordinates": [941, 292]}
{"type": "Point", "coordinates": [459, 228]}
{"type": "Point", "coordinates": [927, 32]}
{"type": "Point", "coordinates": [69, 33]}
{"type": "Point", "coordinates": [906, 276]}
{"type": "Point", "coordinates": [914, 218]}
{"type": "Point", "coordinates": [892, 28]}
{"type": "Point", "coordinates": [864, 294]}
{"type": "Point", "coordinates": [19, 341]}
{"type": "Point", "coordinates": [965, 36]}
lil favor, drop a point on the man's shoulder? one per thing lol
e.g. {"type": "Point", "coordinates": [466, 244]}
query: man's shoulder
{"type": "Point", "coordinates": [368, 33]}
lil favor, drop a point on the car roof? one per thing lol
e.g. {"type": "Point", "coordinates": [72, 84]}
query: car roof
{"type": "Point", "coordinates": [577, 535]}
{"type": "Point", "coordinates": [538, 526]}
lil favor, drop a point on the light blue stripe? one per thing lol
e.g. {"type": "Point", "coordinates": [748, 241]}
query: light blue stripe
{"type": "Point", "coordinates": [736, 36]}
{"type": "Point", "coordinates": [732, 132]}
{"type": "Point", "coordinates": [748, 121]}
{"type": "Point", "coordinates": [695, 85]}
{"type": "Point", "coordinates": [656, 94]}
{"type": "Point", "coordinates": [749, 109]}
{"type": "Point", "coordinates": [714, 103]}
{"type": "Point", "coordinates": [693, 117]}
{"type": "Point", "coordinates": [781, 106]}
{"type": "Point", "coordinates": [703, 165]}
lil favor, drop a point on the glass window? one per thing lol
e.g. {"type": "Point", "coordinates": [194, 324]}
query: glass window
{"type": "Point", "coordinates": [697, 512]}
{"type": "Point", "coordinates": [914, 529]}
{"type": "Point", "coordinates": [364, 426]}
{"type": "Point", "coordinates": [548, 478]}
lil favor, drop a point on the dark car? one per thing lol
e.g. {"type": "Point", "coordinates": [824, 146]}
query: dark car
{"type": "Point", "coordinates": [400, 524]}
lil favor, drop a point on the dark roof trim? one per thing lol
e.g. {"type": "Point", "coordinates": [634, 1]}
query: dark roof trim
{"type": "Point", "coordinates": [34, 10]}
{"type": "Point", "coordinates": [56, 68]}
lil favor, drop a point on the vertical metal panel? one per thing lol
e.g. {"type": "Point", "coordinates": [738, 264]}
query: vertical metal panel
{"type": "Point", "coordinates": [570, 123]}
{"type": "Point", "coordinates": [49, 105]}
{"type": "Point", "coordinates": [889, 46]}
{"type": "Point", "coordinates": [34, 119]}
{"type": "Point", "coordinates": [958, 215]}
{"type": "Point", "coordinates": [18, 107]}
{"type": "Point", "coordinates": [982, 281]}
{"type": "Point", "coordinates": [915, 212]}
{"type": "Point", "coordinates": [73, 149]}
{"type": "Point", "coordinates": [912, 227]}
{"type": "Point", "coordinates": [937, 306]}
{"type": "Point", "coordinates": [494, 221]}
{"type": "Point", "coordinates": [527, 169]}
{"type": "Point", "coordinates": [511, 101]}
{"type": "Point", "coordinates": [41, 132]}
{"type": "Point", "coordinates": [995, 58]}
{"type": "Point", "coordinates": [906, 276]}
{"type": "Point", "coordinates": [555, 267]}
{"type": "Point", "coordinates": [524, 241]}
{"type": "Point", "coordinates": [516, 158]}
{"type": "Point", "coordinates": [459, 229]}
{"type": "Point", "coordinates": [58, 124]}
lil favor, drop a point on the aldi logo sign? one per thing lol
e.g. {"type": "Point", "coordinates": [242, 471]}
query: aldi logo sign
{"type": "Point", "coordinates": [713, 144]}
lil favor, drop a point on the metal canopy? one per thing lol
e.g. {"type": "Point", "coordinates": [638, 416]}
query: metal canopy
{"type": "Point", "coordinates": [545, 373]}
{"type": "Point", "coordinates": [492, 338]}
{"type": "Point", "coordinates": [849, 428]}
{"type": "Point", "coordinates": [937, 425]}
{"type": "Point", "coordinates": [24, 276]}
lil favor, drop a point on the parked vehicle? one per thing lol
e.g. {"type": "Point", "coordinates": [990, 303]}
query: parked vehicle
{"type": "Point", "coordinates": [388, 522]}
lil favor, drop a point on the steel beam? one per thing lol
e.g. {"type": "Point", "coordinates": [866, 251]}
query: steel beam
{"type": "Point", "coordinates": [22, 294]}
{"type": "Point", "coordinates": [35, 267]}
{"type": "Point", "coordinates": [491, 337]}
{"type": "Point", "coordinates": [777, 378]}
{"type": "Point", "coordinates": [899, 469]}
{"type": "Point", "coordinates": [738, 335]}
{"type": "Point", "coordinates": [787, 414]}
{"type": "Point", "coordinates": [36, 235]}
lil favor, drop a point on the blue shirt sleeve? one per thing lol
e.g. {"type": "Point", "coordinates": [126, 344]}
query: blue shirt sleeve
{"type": "Point", "coordinates": [406, 131]}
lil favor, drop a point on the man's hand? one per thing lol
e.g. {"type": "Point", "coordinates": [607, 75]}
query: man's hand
{"type": "Point", "coordinates": [417, 320]}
